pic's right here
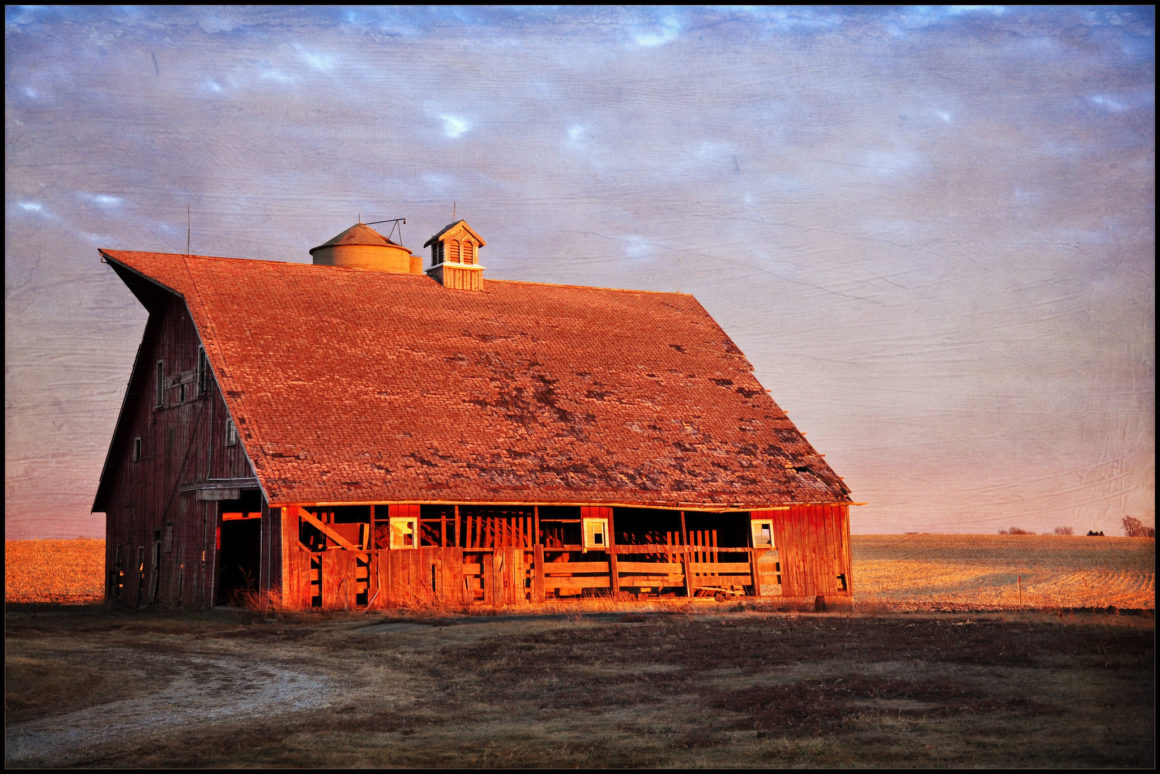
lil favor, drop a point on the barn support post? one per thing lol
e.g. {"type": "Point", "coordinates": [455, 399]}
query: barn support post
{"type": "Point", "coordinates": [613, 574]}
{"type": "Point", "coordinates": [686, 559]}
{"type": "Point", "coordinates": [538, 592]}
{"type": "Point", "coordinates": [291, 594]}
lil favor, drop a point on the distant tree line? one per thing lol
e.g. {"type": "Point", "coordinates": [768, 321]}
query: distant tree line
{"type": "Point", "coordinates": [1133, 528]}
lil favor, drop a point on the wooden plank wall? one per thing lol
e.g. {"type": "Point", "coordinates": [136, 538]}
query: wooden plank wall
{"type": "Point", "coordinates": [813, 543]}
{"type": "Point", "coordinates": [812, 551]}
{"type": "Point", "coordinates": [181, 443]}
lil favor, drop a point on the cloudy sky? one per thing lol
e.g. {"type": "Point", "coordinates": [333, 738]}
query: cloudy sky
{"type": "Point", "coordinates": [931, 229]}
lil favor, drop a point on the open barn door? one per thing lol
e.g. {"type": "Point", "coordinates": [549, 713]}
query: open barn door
{"type": "Point", "coordinates": [239, 548]}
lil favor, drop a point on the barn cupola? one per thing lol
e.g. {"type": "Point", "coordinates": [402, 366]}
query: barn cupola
{"type": "Point", "coordinates": [455, 257]}
{"type": "Point", "coordinates": [361, 247]}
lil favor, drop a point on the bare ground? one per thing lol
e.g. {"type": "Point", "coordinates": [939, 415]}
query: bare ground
{"type": "Point", "coordinates": [694, 686]}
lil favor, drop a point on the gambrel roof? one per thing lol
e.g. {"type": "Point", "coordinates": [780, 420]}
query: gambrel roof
{"type": "Point", "coordinates": [354, 386]}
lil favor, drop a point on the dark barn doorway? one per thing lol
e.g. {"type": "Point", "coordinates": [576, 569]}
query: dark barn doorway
{"type": "Point", "coordinates": [240, 548]}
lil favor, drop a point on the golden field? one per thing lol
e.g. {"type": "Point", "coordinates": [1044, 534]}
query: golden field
{"type": "Point", "coordinates": [1002, 572]}
{"type": "Point", "coordinates": [61, 571]}
{"type": "Point", "coordinates": [891, 572]}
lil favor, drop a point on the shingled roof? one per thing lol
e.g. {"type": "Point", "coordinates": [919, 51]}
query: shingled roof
{"type": "Point", "coordinates": [351, 386]}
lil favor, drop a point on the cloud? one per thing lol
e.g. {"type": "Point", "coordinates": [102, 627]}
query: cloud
{"type": "Point", "coordinates": [107, 201]}
{"type": "Point", "coordinates": [659, 34]}
{"type": "Point", "coordinates": [1107, 102]}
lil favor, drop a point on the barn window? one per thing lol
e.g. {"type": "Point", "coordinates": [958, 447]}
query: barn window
{"type": "Point", "coordinates": [595, 533]}
{"type": "Point", "coordinates": [762, 533]}
{"type": "Point", "coordinates": [231, 433]}
{"type": "Point", "coordinates": [137, 449]}
{"type": "Point", "coordinates": [404, 531]}
{"type": "Point", "coordinates": [182, 398]}
{"type": "Point", "coordinates": [468, 251]}
{"type": "Point", "coordinates": [202, 371]}
{"type": "Point", "coordinates": [453, 253]}
{"type": "Point", "coordinates": [160, 383]}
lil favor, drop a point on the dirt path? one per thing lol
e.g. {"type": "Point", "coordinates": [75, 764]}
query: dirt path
{"type": "Point", "coordinates": [204, 690]}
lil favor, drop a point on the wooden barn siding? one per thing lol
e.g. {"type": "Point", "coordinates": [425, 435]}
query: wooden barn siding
{"type": "Point", "coordinates": [813, 544]}
{"type": "Point", "coordinates": [394, 577]}
{"type": "Point", "coordinates": [180, 444]}
{"type": "Point", "coordinates": [501, 567]}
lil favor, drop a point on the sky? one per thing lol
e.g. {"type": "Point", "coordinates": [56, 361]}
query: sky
{"type": "Point", "coordinates": [930, 229]}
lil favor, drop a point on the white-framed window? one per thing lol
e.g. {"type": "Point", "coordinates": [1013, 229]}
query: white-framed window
{"type": "Point", "coordinates": [404, 531]}
{"type": "Point", "coordinates": [231, 433]}
{"type": "Point", "coordinates": [137, 449]}
{"type": "Point", "coordinates": [762, 533]}
{"type": "Point", "coordinates": [595, 534]}
{"type": "Point", "coordinates": [160, 383]}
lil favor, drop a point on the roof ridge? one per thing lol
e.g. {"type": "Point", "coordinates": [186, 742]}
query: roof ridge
{"type": "Point", "coordinates": [591, 287]}
{"type": "Point", "coordinates": [306, 264]}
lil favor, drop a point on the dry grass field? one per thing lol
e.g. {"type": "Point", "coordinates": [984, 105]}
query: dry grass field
{"type": "Point", "coordinates": [54, 571]}
{"type": "Point", "coordinates": [693, 684]}
{"type": "Point", "coordinates": [1003, 572]}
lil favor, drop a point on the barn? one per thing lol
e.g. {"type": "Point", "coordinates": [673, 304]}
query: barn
{"type": "Point", "coordinates": [364, 431]}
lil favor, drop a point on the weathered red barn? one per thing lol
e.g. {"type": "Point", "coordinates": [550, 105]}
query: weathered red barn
{"type": "Point", "coordinates": [364, 432]}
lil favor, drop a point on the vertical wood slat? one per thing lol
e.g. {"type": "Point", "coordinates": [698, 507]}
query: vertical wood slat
{"type": "Point", "coordinates": [613, 573]}
{"type": "Point", "coordinates": [754, 572]}
{"type": "Point", "coordinates": [487, 573]}
{"type": "Point", "coordinates": [687, 569]}
{"type": "Point", "coordinates": [538, 591]}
